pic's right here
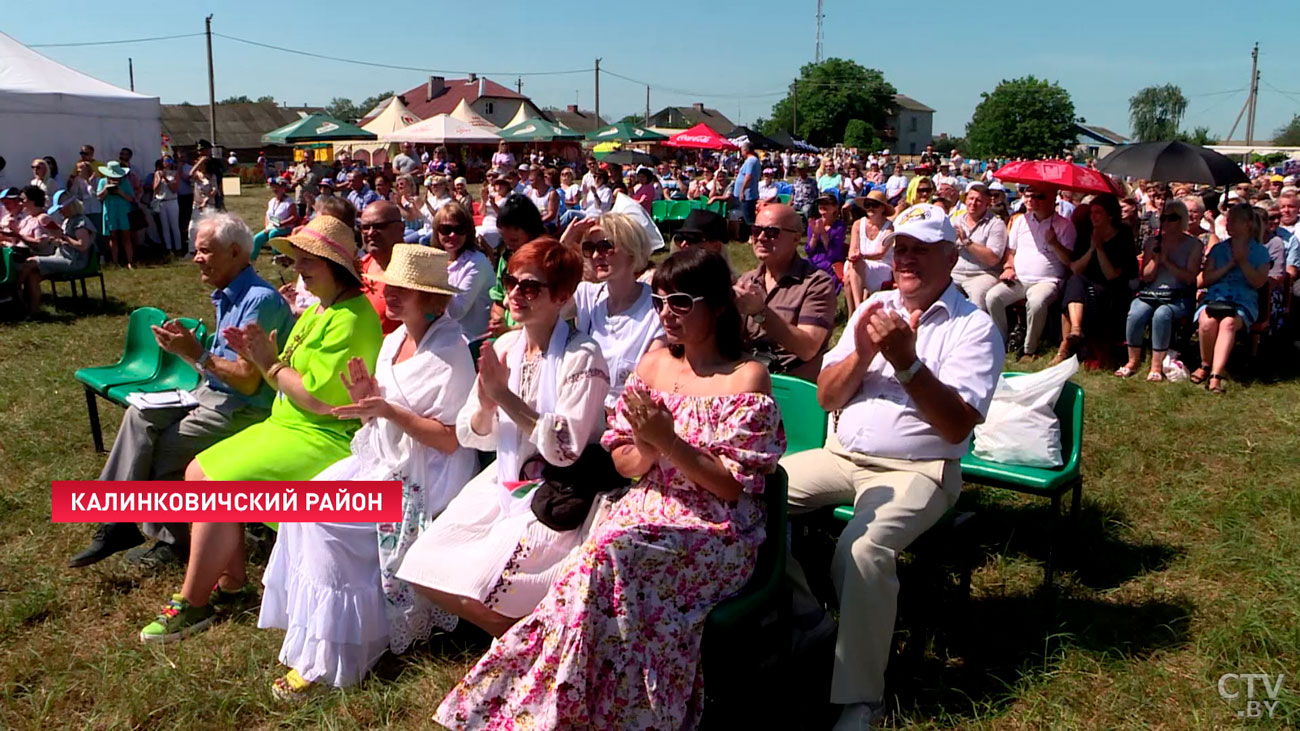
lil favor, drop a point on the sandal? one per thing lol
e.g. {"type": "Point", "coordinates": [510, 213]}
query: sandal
{"type": "Point", "coordinates": [1125, 372]}
{"type": "Point", "coordinates": [291, 688]}
{"type": "Point", "coordinates": [1216, 383]}
{"type": "Point", "coordinates": [1199, 375]}
{"type": "Point", "coordinates": [1155, 377]}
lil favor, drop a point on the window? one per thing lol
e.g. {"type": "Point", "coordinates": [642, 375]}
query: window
{"type": "Point", "coordinates": [911, 124]}
{"type": "Point", "coordinates": [489, 107]}
{"type": "Point", "coordinates": [911, 148]}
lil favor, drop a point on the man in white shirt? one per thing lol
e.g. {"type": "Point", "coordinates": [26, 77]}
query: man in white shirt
{"type": "Point", "coordinates": [1040, 241]}
{"type": "Point", "coordinates": [896, 186]}
{"type": "Point", "coordinates": [405, 163]}
{"type": "Point", "coordinates": [912, 375]}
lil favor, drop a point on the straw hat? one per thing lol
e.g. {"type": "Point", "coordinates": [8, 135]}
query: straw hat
{"type": "Point", "coordinates": [326, 237]}
{"type": "Point", "coordinates": [416, 267]}
{"type": "Point", "coordinates": [879, 197]}
{"type": "Point", "coordinates": [114, 170]}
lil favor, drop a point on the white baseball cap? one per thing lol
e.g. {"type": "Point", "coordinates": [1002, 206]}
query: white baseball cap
{"type": "Point", "coordinates": [924, 222]}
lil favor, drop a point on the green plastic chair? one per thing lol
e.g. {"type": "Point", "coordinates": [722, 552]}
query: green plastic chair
{"type": "Point", "coordinates": [803, 417]}
{"type": "Point", "coordinates": [659, 211]}
{"type": "Point", "coordinates": [173, 373]}
{"type": "Point", "coordinates": [141, 356]}
{"type": "Point", "coordinates": [769, 571]}
{"type": "Point", "coordinates": [679, 210]}
{"type": "Point", "coordinates": [90, 271]}
{"type": "Point", "coordinates": [8, 275]}
{"type": "Point", "coordinates": [785, 198]}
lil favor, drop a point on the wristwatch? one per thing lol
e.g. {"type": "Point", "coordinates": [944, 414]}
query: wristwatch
{"type": "Point", "coordinates": [202, 362]}
{"type": "Point", "coordinates": [759, 317]}
{"type": "Point", "coordinates": [906, 375]}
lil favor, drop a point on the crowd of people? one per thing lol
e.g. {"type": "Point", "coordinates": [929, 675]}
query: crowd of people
{"type": "Point", "coordinates": [647, 382]}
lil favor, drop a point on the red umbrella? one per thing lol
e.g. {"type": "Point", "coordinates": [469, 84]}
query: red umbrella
{"type": "Point", "coordinates": [1059, 174]}
{"type": "Point", "coordinates": [701, 136]}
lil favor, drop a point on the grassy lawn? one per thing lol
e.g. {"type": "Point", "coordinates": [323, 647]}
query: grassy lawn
{"type": "Point", "coordinates": [1186, 566]}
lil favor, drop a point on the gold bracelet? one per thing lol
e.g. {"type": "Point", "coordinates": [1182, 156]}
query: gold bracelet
{"type": "Point", "coordinates": [274, 369]}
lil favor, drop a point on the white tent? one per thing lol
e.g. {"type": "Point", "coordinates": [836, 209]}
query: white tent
{"type": "Point", "coordinates": [520, 117]}
{"type": "Point", "coordinates": [472, 118]}
{"type": "Point", "coordinates": [47, 108]}
{"type": "Point", "coordinates": [440, 129]}
{"type": "Point", "coordinates": [387, 116]}
{"type": "Point", "coordinates": [394, 116]}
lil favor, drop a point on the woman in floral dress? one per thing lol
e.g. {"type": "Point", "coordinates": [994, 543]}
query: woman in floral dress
{"type": "Point", "coordinates": [615, 643]}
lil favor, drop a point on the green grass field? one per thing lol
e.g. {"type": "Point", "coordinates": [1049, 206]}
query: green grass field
{"type": "Point", "coordinates": [1186, 566]}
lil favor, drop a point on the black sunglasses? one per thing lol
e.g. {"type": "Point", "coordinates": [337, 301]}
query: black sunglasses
{"type": "Point", "coordinates": [529, 288]}
{"type": "Point", "coordinates": [448, 229]}
{"type": "Point", "coordinates": [377, 224]}
{"type": "Point", "coordinates": [679, 303]}
{"type": "Point", "coordinates": [1036, 196]}
{"type": "Point", "coordinates": [925, 190]}
{"type": "Point", "coordinates": [770, 232]}
{"type": "Point", "coordinates": [592, 248]}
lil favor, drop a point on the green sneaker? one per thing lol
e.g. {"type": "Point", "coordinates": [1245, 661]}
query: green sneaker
{"type": "Point", "coordinates": [178, 619]}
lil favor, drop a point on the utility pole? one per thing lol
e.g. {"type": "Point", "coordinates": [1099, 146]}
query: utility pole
{"type": "Point", "coordinates": [1253, 99]}
{"type": "Point", "coordinates": [818, 57]}
{"type": "Point", "coordinates": [130, 71]}
{"type": "Point", "coordinates": [794, 122]}
{"type": "Point", "coordinates": [597, 88]}
{"type": "Point", "coordinates": [647, 105]}
{"type": "Point", "coordinates": [212, 89]}
{"type": "Point", "coordinates": [519, 85]}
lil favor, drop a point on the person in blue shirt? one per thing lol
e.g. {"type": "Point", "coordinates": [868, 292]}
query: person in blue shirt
{"type": "Point", "coordinates": [157, 444]}
{"type": "Point", "coordinates": [359, 194]}
{"type": "Point", "coordinates": [745, 188]}
{"type": "Point", "coordinates": [1234, 271]}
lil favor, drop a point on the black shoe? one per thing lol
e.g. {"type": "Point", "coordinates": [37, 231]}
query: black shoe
{"type": "Point", "coordinates": [109, 539]}
{"type": "Point", "coordinates": [156, 556]}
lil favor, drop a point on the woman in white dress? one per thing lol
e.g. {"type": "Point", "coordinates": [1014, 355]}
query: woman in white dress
{"type": "Point", "coordinates": [612, 306]}
{"type": "Point", "coordinates": [332, 586]}
{"type": "Point", "coordinates": [870, 263]}
{"type": "Point", "coordinates": [540, 391]}
{"type": "Point", "coordinates": [470, 272]}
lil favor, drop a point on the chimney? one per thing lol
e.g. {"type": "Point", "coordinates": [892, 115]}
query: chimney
{"type": "Point", "coordinates": [698, 106]}
{"type": "Point", "coordinates": [473, 77]}
{"type": "Point", "coordinates": [482, 87]}
{"type": "Point", "coordinates": [434, 88]}
{"type": "Point", "coordinates": [573, 108]}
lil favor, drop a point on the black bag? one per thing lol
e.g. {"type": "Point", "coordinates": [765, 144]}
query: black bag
{"type": "Point", "coordinates": [1220, 309]}
{"type": "Point", "coordinates": [566, 494]}
{"type": "Point", "coordinates": [1161, 296]}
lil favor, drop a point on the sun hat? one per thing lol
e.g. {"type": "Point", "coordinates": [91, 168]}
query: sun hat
{"type": "Point", "coordinates": [326, 237]}
{"type": "Point", "coordinates": [11, 192]}
{"type": "Point", "coordinates": [924, 222]}
{"type": "Point", "coordinates": [879, 197]}
{"type": "Point", "coordinates": [61, 199]}
{"type": "Point", "coordinates": [415, 266]}
{"type": "Point", "coordinates": [114, 169]}
{"type": "Point", "coordinates": [708, 224]}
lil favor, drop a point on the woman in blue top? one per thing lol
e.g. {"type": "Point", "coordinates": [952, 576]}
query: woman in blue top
{"type": "Point", "coordinates": [1234, 271]}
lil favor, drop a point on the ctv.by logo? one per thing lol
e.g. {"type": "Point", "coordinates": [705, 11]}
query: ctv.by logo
{"type": "Point", "coordinates": [1230, 689]}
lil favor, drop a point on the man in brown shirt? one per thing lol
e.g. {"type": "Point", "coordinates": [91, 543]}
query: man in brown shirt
{"type": "Point", "coordinates": [788, 305]}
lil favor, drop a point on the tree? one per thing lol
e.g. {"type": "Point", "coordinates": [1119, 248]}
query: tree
{"type": "Point", "coordinates": [637, 119]}
{"type": "Point", "coordinates": [1199, 136]}
{"type": "Point", "coordinates": [945, 144]}
{"type": "Point", "coordinates": [241, 99]}
{"type": "Point", "coordinates": [858, 133]}
{"type": "Point", "coordinates": [342, 108]}
{"type": "Point", "coordinates": [369, 103]}
{"type": "Point", "coordinates": [1289, 134]}
{"type": "Point", "coordinates": [1156, 111]}
{"type": "Point", "coordinates": [1026, 117]}
{"type": "Point", "coordinates": [268, 99]}
{"type": "Point", "coordinates": [830, 94]}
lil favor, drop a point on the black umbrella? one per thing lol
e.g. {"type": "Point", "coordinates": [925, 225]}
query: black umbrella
{"type": "Point", "coordinates": [759, 140]}
{"type": "Point", "coordinates": [631, 157]}
{"type": "Point", "coordinates": [788, 142]}
{"type": "Point", "coordinates": [1172, 162]}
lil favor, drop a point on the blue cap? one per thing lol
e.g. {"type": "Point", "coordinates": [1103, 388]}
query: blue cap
{"type": "Point", "coordinates": [831, 193]}
{"type": "Point", "coordinates": [61, 199]}
{"type": "Point", "coordinates": [10, 193]}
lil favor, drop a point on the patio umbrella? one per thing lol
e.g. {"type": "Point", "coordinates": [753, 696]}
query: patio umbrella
{"type": "Point", "coordinates": [1172, 162]}
{"type": "Point", "coordinates": [533, 129]}
{"type": "Point", "coordinates": [1058, 174]}
{"type": "Point", "coordinates": [630, 157]}
{"type": "Point", "coordinates": [701, 136]}
{"type": "Point", "coordinates": [760, 141]}
{"type": "Point", "coordinates": [787, 142]}
{"type": "Point", "coordinates": [315, 128]}
{"type": "Point", "coordinates": [625, 132]}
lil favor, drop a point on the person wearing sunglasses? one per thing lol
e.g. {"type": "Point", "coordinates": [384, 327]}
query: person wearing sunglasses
{"type": "Point", "coordinates": [920, 190]}
{"type": "Point", "coordinates": [911, 376]}
{"type": "Point", "coordinates": [1040, 247]}
{"type": "Point", "coordinates": [699, 428]}
{"type": "Point", "coordinates": [612, 307]}
{"type": "Point", "coordinates": [1170, 265]}
{"type": "Point", "coordinates": [981, 242]}
{"type": "Point", "coordinates": [787, 303]}
{"type": "Point", "coordinates": [518, 222]}
{"type": "Point", "coordinates": [826, 246]}
{"type": "Point", "coordinates": [469, 271]}
{"type": "Point", "coordinates": [381, 228]}
{"type": "Point", "coordinates": [540, 391]}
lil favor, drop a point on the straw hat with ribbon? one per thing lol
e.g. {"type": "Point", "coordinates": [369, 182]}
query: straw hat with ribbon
{"type": "Point", "coordinates": [326, 237]}
{"type": "Point", "coordinates": [413, 266]}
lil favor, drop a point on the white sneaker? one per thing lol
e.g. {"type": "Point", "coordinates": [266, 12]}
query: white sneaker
{"type": "Point", "coordinates": [860, 716]}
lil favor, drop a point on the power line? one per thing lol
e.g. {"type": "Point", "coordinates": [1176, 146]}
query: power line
{"type": "Point", "coordinates": [113, 43]}
{"type": "Point", "coordinates": [1288, 94]}
{"type": "Point", "coordinates": [688, 92]}
{"type": "Point", "coordinates": [397, 67]}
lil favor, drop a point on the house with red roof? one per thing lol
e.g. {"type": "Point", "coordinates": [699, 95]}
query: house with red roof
{"type": "Point", "coordinates": [492, 101]}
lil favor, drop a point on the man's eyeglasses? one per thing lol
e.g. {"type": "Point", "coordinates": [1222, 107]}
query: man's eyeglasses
{"type": "Point", "coordinates": [771, 232]}
{"type": "Point", "coordinates": [529, 288]}
{"type": "Point", "coordinates": [378, 224]}
{"type": "Point", "coordinates": [679, 303]}
{"type": "Point", "coordinates": [604, 247]}
{"type": "Point", "coordinates": [687, 239]}
{"type": "Point", "coordinates": [448, 229]}
{"type": "Point", "coordinates": [1037, 196]}
{"type": "Point", "coordinates": [1275, 219]}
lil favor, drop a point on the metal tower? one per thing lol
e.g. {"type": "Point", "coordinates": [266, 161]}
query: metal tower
{"type": "Point", "coordinates": [818, 58]}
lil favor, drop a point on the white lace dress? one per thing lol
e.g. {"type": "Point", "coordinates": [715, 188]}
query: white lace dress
{"type": "Point", "coordinates": [332, 586]}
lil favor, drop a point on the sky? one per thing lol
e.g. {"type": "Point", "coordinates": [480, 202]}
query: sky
{"type": "Point", "coordinates": [738, 56]}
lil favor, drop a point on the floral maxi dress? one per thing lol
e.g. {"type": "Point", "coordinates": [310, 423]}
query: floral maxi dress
{"type": "Point", "coordinates": [616, 641]}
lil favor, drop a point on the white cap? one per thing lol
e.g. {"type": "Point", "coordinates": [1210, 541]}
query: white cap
{"type": "Point", "coordinates": [924, 222]}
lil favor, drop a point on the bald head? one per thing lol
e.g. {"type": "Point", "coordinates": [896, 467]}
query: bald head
{"type": "Point", "coordinates": [780, 214]}
{"type": "Point", "coordinates": [381, 227]}
{"type": "Point", "coordinates": [776, 236]}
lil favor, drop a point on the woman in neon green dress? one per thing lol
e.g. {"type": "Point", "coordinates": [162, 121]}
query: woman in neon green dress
{"type": "Point", "coordinates": [301, 437]}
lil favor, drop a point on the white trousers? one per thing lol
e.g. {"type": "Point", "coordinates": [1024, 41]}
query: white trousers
{"type": "Point", "coordinates": [169, 213]}
{"type": "Point", "coordinates": [1037, 296]}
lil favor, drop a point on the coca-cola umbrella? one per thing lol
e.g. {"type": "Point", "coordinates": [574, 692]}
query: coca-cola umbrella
{"type": "Point", "coordinates": [701, 136]}
{"type": "Point", "coordinates": [1060, 174]}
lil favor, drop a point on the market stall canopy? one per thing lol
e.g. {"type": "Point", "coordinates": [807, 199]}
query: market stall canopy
{"type": "Point", "coordinates": [625, 132]}
{"type": "Point", "coordinates": [521, 116]}
{"type": "Point", "coordinates": [392, 117]}
{"type": "Point", "coordinates": [535, 129]}
{"type": "Point", "coordinates": [1059, 174]}
{"type": "Point", "coordinates": [464, 113]}
{"type": "Point", "coordinates": [441, 129]}
{"type": "Point", "coordinates": [789, 142]}
{"type": "Point", "coordinates": [742, 134]}
{"type": "Point", "coordinates": [1173, 162]}
{"type": "Point", "coordinates": [701, 136]}
{"type": "Point", "coordinates": [316, 128]}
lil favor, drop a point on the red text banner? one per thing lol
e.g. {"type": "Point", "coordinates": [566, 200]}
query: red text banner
{"type": "Point", "coordinates": [91, 501]}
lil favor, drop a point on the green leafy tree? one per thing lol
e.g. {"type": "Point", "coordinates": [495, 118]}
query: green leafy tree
{"type": "Point", "coordinates": [241, 99]}
{"type": "Point", "coordinates": [859, 133]}
{"type": "Point", "coordinates": [830, 95]}
{"type": "Point", "coordinates": [1199, 136]}
{"type": "Point", "coordinates": [268, 99]}
{"type": "Point", "coordinates": [342, 108]}
{"type": "Point", "coordinates": [369, 103]}
{"type": "Point", "coordinates": [633, 119]}
{"type": "Point", "coordinates": [1026, 117]}
{"type": "Point", "coordinates": [945, 145]}
{"type": "Point", "coordinates": [1289, 134]}
{"type": "Point", "coordinates": [1156, 111]}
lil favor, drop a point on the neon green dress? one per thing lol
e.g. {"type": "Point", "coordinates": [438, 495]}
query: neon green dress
{"type": "Point", "coordinates": [293, 443]}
